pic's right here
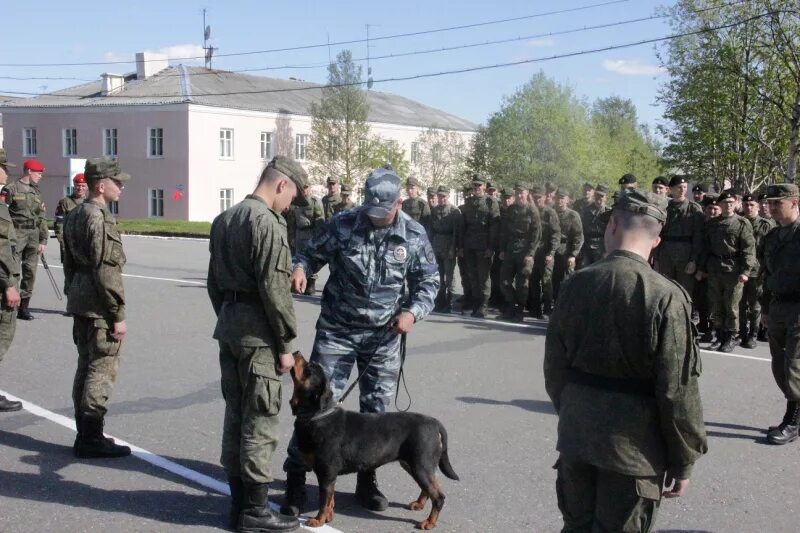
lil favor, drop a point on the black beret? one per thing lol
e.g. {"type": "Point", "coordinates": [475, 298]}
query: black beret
{"type": "Point", "coordinates": [661, 180]}
{"type": "Point", "coordinates": [700, 187]}
{"type": "Point", "coordinates": [677, 180]}
{"type": "Point", "coordinates": [627, 179]}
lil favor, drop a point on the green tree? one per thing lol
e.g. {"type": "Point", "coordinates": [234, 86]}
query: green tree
{"type": "Point", "coordinates": [379, 152]}
{"type": "Point", "coordinates": [441, 157]}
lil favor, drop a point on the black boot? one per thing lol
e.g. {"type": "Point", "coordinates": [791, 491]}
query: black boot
{"type": "Point", "coordinates": [749, 342]}
{"type": "Point", "coordinates": [368, 494]}
{"type": "Point", "coordinates": [707, 336]}
{"type": "Point", "coordinates": [256, 515]}
{"type": "Point", "coordinates": [507, 312]}
{"type": "Point", "coordinates": [519, 314]}
{"type": "Point", "coordinates": [762, 334]}
{"type": "Point", "coordinates": [718, 340]}
{"type": "Point", "coordinates": [311, 286]}
{"type": "Point", "coordinates": [480, 311]}
{"type": "Point", "coordinates": [93, 443]}
{"type": "Point", "coordinates": [79, 435]}
{"type": "Point", "coordinates": [790, 405]}
{"type": "Point", "coordinates": [295, 493]}
{"type": "Point", "coordinates": [22, 310]}
{"type": "Point", "coordinates": [787, 431]}
{"type": "Point", "coordinates": [728, 342]}
{"type": "Point", "coordinates": [237, 501]}
{"type": "Point", "coordinates": [447, 306]}
{"type": "Point", "coordinates": [7, 406]}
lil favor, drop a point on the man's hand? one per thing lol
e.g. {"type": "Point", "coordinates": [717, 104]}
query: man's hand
{"type": "Point", "coordinates": [403, 323]}
{"type": "Point", "coordinates": [571, 262]}
{"type": "Point", "coordinates": [286, 363]}
{"type": "Point", "coordinates": [40, 249]}
{"type": "Point", "coordinates": [528, 260]}
{"type": "Point", "coordinates": [298, 280]}
{"type": "Point", "coordinates": [120, 329]}
{"type": "Point", "coordinates": [743, 278]}
{"type": "Point", "coordinates": [678, 489]}
{"type": "Point", "coordinates": [691, 268]}
{"type": "Point", "coordinates": [12, 297]}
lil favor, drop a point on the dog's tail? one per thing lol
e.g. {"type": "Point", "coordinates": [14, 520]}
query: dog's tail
{"type": "Point", "coordinates": [444, 460]}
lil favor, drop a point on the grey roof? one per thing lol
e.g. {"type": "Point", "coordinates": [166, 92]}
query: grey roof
{"type": "Point", "coordinates": [3, 99]}
{"type": "Point", "coordinates": [220, 88]}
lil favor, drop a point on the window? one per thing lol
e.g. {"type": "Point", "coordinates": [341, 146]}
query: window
{"type": "Point", "coordinates": [113, 207]}
{"type": "Point", "coordinates": [226, 143]}
{"type": "Point", "coordinates": [29, 142]}
{"type": "Point", "coordinates": [70, 142]}
{"type": "Point", "coordinates": [225, 199]}
{"type": "Point", "coordinates": [156, 203]}
{"type": "Point", "coordinates": [414, 153]}
{"type": "Point", "coordinates": [300, 143]}
{"type": "Point", "coordinates": [110, 142]}
{"type": "Point", "coordinates": [68, 190]}
{"type": "Point", "coordinates": [392, 145]}
{"type": "Point", "coordinates": [362, 151]}
{"type": "Point", "coordinates": [155, 146]}
{"type": "Point", "coordinates": [266, 145]}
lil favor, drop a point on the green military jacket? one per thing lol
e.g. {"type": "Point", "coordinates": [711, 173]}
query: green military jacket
{"type": "Point", "coordinates": [445, 229]}
{"type": "Point", "coordinates": [521, 231]}
{"type": "Point", "coordinates": [761, 226]}
{"type": "Point", "coordinates": [594, 221]}
{"type": "Point", "coordinates": [551, 231]}
{"type": "Point", "coordinates": [93, 261]}
{"type": "Point", "coordinates": [329, 202]}
{"type": "Point", "coordinates": [9, 267]}
{"type": "Point", "coordinates": [65, 205]}
{"type": "Point", "coordinates": [781, 261]}
{"type": "Point", "coordinates": [26, 206]}
{"type": "Point", "coordinates": [579, 204]}
{"type": "Point", "coordinates": [634, 330]}
{"type": "Point", "coordinates": [729, 246]}
{"type": "Point", "coordinates": [301, 222]}
{"type": "Point", "coordinates": [480, 223]}
{"type": "Point", "coordinates": [250, 258]}
{"type": "Point", "coordinates": [571, 233]}
{"type": "Point", "coordinates": [418, 209]}
{"type": "Point", "coordinates": [342, 205]}
{"type": "Point", "coordinates": [682, 233]}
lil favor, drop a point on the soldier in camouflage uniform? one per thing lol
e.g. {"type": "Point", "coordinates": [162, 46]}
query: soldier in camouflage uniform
{"type": "Point", "coordinates": [346, 202]}
{"type": "Point", "coordinates": [480, 223]}
{"type": "Point", "coordinates": [750, 306]}
{"type": "Point", "coordinates": [628, 181]}
{"type": "Point", "coordinates": [588, 196]}
{"type": "Point", "coordinates": [466, 300]}
{"type": "Point", "coordinates": [699, 192]}
{"type": "Point", "coordinates": [93, 262]}
{"type": "Point", "coordinates": [660, 186]}
{"type": "Point", "coordinates": [373, 251]}
{"type": "Point", "coordinates": [67, 204]}
{"type": "Point", "coordinates": [27, 210]}
{"type": "Point", "coordinates": [9, 278]}
{"type": "Point", "coordinates": [628, 402]}
{"type": "Point", "coordinates": [700, 296]}
{"type": "Point", "coordinates": [728, 257]}
{"type": "Point", "coordinates": [540, 297]}
{"type": "Point", "coordinates": [414, 206]}
{"type": "Point", "coordinates": [446, 239]}
{"type": "Point", "coordinates": [571, 241]}
{"type": "Point", "coordinates": [594, 218]}
{"type": "Point", "coordinates": [301, 223]}
{"type": "Point", "coordinates": [332, 199]}
{"type": "Point", "coordinates": [765, 213]}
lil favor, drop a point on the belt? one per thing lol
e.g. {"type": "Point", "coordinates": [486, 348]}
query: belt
{"type": "Point", "coordinates": [242, 297]}
{"type": "Point", "coordinates": [723, 257]}
{"type": "Point", "coordinates": [640, 387]}
{"type": "Point", "coordinates": [25, 224]}
{"type": "Point", "coordinates": [673, 238]}
{"type": "Point", "coordinates": [786, 298]}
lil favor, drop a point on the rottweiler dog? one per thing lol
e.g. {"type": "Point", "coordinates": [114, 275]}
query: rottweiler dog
{"type": "Point", "coordinates": [335, 441]}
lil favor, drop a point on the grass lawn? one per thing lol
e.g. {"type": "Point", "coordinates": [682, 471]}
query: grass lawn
{"type": "Point", "coordinates": [169, 228]}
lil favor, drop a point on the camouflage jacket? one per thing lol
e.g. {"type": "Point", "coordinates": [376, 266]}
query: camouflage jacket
{"type": "Point", "coordinates": [520, 231]}
{"type": "Point", "coordinates": [418, 209]}
{"type": "Point", "coordinates": [683, 231]}
{"type": "Point", "coordinates": [9, 267]}
{"type": "Point", "coordinates": [65, 205]}
{"type": "Point", "coordinates": [761, 226]}
{"type": "Point", "coordinates": [368, 269]}
{"type": "Point", "coordinates": [329, 202]}
{"type": "Point", "coordinates": [594, 222]}
{"type": "Point", "coordinates": [446, 229]}
{"type": "Point", "coordinates": [301, 222]}
{"type": "Point", "coordinates": [250, 257]}
{"type": "Point", "coordinates": [729, 246]}
{"type": "Point", "coordinates": [579, 204]}
{"type": "Point", "coordinates": [93, 261]}
{"type": "Point", "coordinates": [26, 206]}
{"type": "Point", "coordinates": [636, 329]}
{"type": "Point", "coordinates": [342, 206]}
{"type": "Point", "coordinates": [571, 233]}
{"type": "Point", "coordinates": [551, 232]}
{"type": "Point", "coordinates": [781, 261]}
{"type": "Point", "coordinates": [480, 223]}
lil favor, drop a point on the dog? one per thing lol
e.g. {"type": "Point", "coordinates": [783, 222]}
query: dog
{"type": "Point", "coordinates": [334, 441]}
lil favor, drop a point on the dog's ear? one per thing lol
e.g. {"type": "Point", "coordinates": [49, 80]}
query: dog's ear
{"type": "Point", "coordinates": [326, 398]}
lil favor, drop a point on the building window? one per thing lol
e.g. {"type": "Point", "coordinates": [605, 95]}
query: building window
{"type": "Point", "coordinates": [68, 190]}
{"type": "Point", "coordinates": [110, 142]}
{"type": "Point", "coordinates": [29, 142]}
{"type": "Point", "coordinates": [393, 145]}
{"type": "Point", "coordinates": [155, 144]}
{"type": "Point", "coordinates": [113, 207]}
{"type": "Point", "coordinates": [414, 153]}
{"type": "Point", "coordinates": [266, 146]}
{"type": "Point", "coordinates": [226, 143]}
{"type": "Point", "coordinates": [300, 143]}
{"type": "Point", "coordinates": [70, 142]}
{"type": "Point", "coordinates": [156, 203]}
{"type": "Point", "coordinates": [362, 151]}
{"type": "Point", "coordinates": [225, 199]}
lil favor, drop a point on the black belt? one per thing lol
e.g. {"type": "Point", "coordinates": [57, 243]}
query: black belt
{"type": "Point", "coordinates": [723, 257]}
{"type": "Point", "coordinates": [641, 387]}
{"type": "Point", "coordinates": [242, 297]}
{"type": "Point", "coordinates": [672, 238]}
{"type": "Point", "coordinates": [25, 224]}
{"type": "Point", "coordinates": [786, 298]}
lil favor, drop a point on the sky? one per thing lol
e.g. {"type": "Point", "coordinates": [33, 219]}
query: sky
{"type": "Point", "coordinates": [100, 31]}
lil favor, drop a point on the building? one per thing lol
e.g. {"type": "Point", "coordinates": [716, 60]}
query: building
{"type": "Point", "coordinates": [194, 139]}
{"type": "Point", "coordinates": [4, 99]}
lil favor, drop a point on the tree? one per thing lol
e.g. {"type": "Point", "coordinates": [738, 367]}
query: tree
{"type": "Point", "coordinates": [379, 152]}
{"type": "Point", "coordinates": [441, 157]}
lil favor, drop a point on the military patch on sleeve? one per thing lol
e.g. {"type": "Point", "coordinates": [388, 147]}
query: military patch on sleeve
{"type": "Point", "coordinates": [429, 255]}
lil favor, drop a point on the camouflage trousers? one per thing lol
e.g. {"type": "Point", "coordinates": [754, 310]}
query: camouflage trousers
{"type": "Point", "coordinates": [750, 307]}
{"type": "Point", "coordinates": [514, 278]}
{"type": "Point", "coordinates": [447, 267]}
{"type": "Point", "coordinates": [496, 296]}
{"type": "Point", "coordinates": [28, 257]}
{"type": "Point", "coordinates": [784, 346]}
{"type": "Point", "coordinates": [337, 352]}
{"type": "Point", "coordinates": [478, 267]}
{"type": "Point", "coordinates": [466, 285]}
{"type": "Point", "coordinates": [251, 386]}
{"type": "Point", "coordinates": [595, 500]}
{"type": "Point", "coordinates": [701, 303]}
{"type": "Point", "coordinates": [672, 261]}
{"type": "Point", "coordinates": [561, 272]}
{"type": "Point", "coordinates": [98, 363]}
{"type": "Point", "coordinates": [8, 325]}
{"type": "Point", "coordinates": [541, 291]}
{"type": "Point", "coordinates": [589, 256]}
{"type": "Point", "coordinates": [725, 292]}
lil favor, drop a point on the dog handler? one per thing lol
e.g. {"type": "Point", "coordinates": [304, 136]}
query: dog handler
{"type": "Point", "coordinates": [372, 252]}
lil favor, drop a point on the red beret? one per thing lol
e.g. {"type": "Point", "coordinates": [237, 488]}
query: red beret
{"type": "Point", "coordinates": [78, 179]}
{"type": "Point", "coordinates": [33, 165]}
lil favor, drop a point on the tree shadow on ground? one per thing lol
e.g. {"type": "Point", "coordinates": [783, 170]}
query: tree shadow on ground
{"type": "Point", "coordinates": [757, 438]}
{"type": "Point", "coordinates": [536, 406]}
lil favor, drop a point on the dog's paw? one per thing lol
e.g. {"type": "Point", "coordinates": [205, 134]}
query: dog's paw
{"type": "Point", "coordinates": [415, 506]}
{"type": "Point", "coordinates": [427, 524]}
{"type": "Point", "coordinates": [313, 522]}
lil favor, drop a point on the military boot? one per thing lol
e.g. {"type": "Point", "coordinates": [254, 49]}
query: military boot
{"type": "Point", "coordinates": [447, 306]}
{"type": "Point", "coordinates": [749, 342]}
{"type": "Point", "coordinates": [78, 435]}
{"type": "Point", "coordinates": [368, 494]}
{"type": "Point", "coordinates": [8, 406]}
{"type": "Point", "coordinates": [311, 286]}
{"type": "Point", "coordinates": [295, 497]}
{"type": "Point", "coordinates": [787, 431]}
{"type": "Point", "coordinates": [762, 334]}
{"type": "Point", "coordinates": [706, 336]}
{"type": "Point", "coordinates": [480, 311]}
{"type": "Point", "coordinates": [237, 501]}
{"type": "Point", "coordinates": [94, 444]}
{"type": "Point", "coordinates": [728, 343]}
{"type": "Point", "coordinates": [519, 314]}
{"type": "Point", "coordinates": [256, 515]}
{"type": "Point", "coordinates": [22, 310]}
{"type": "Point", "coordinates": [719, 339]}
{"type": "Point", "coordinates": [790, 405]}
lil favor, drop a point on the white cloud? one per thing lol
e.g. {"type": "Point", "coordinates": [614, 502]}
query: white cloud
{"type": "Point", "coordinates": [115, 57]}
{"type": "Point", "coordinates": [181, 51]}
{"type": "Point", "coordinates": [632, 67]}
{"type": "Point", "coordinates": [547, 42]}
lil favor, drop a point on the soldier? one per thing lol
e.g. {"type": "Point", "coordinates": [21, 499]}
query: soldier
{"type": "Point", "coordinates": [467, 300]}
{"type": "Point", "coordinates": [699, 192]}
{"type": "Point", "coordinates": [588, 197]}
{"type": "Point", "coordinates": [480, 223]}
{"type": "Point", "coordinates": [332, 199]}
{"type": "Point", "coordinates": [344, 200]}
{"type": "Point", "coordinates": [519, 239]}
{"type": "Point", "coordinates": [433, 200]}
{"type": "Point", "coordinates": [301, 223]}
{"type": "Point", "coordinates": [728, 257]}
{"type": "Point", "coordinates": [28, 213]}
{"type": "Point", "coordinates": [700, 287]}
{"type": "Point", "coordinates": [781, 262]}
{"type": "Point", "coordinates": [628, 181]}
{"type": "Point", "coordinates": [492, 192]}
{"type": "Point", "coordinates": [682, 238]}
{"type": "Point", "coordinates": [540, 299]}
{"type": "Point", "coordinates": [627, 398]}
{"type": "Point", "coordinates": [594, 218]}
{"type": "Point", "coordinates": [93, 262]}
{"type": "Point", "coordinates": [9, 278]}
{"type": "Point", "coordinates": [550, 189]}
{"type": "Point", "coordinates": [414, 206]}
{"type": "Point", "coordinates": [373, 251]}
{"type": "Point", "coordinates": [67, 204]}
{"type": "Point", "coordinates": [750, 306]}
{"type": "Point", "coordinates": [569, 222]}
{"type": "Point", "coordinates": [660, 186]}
{"type": "Point", "coordinates": [501, 199]}
{"type": "Point", "coordinates": [446, 239]}
{"type": "Point", "coordinates": [764, 210]}
{"type": "Point", "coordinates": [765, 213]}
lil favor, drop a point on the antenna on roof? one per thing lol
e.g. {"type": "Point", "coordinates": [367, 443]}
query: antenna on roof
{"type": "Point", "coordinates": [369, 68]}
{"type": "Point", "coordinates": [206, 37]}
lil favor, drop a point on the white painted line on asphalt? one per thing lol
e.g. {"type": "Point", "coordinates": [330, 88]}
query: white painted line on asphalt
{"type": "Point", "coordinates": [149, 457]}
{"type": "Point", "coordinates": [151, 277]}
{"type": "Point", "coordinates": [740, 356]}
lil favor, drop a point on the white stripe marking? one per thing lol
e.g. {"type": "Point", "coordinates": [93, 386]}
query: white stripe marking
{"type": "Point", "coordinates": [737, 355]}
{"type": "Point", "coordinates": [152, 278]}
{"type": "Point", "coordinates": [149, 457]}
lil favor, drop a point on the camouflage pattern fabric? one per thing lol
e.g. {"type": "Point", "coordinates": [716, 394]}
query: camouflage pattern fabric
{"type": "Point", "coordinates": [520, 235]}
{"type": "Point", "coordinates": [98, 364]}
{"type": "Point", "coordinates": [445, 231]}
{"type": "Point", "coordinates": [541, 289]}
{"type": "Point", "coordinates": [593, 220]}
{"type": "Point", "coordinates": [570, 246]}
{"type": "Point", "coordinates": [419, 210]}
{"type": "Point", "coordinates": [26, 207]}
{"type": "Point", "coordinates": [329, 203]}
{"type": "Point", "coordinates": [681, 242]}
{"type": "Point", "coordinates": [9, 277]}
{"type": "Point", "coordinates": [65, 205]}
{"type": "Point", "coordinates": [750, 306]}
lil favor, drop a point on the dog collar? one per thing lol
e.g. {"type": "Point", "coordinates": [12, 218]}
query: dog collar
{"type": "Point", "coordinates": [321, 414]}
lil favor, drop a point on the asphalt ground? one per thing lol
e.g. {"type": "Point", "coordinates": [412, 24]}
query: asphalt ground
{"type": "Point", "coordinates": [481, 378]}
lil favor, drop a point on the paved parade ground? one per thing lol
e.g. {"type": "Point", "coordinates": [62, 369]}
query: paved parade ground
{"type": "Point", "coordinates": [481, 378]}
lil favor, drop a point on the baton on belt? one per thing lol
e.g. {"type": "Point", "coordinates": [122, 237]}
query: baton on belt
{"type": "Point", "coordinates": [52, 279]}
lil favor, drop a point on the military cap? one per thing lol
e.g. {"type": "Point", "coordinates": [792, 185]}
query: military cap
{"type": "Point", "coordinates": [79, 178]}
{"type": "Point", "coordinates": [627, 179]}
{"type": "Point", "coordinates": [588, 186]}
{"type": "Point", "coordinates": [97, 168]}
{"type": "Point", "coordinates": [536, 190]}
{"type": "Point", "coordinates": [677, 180]}
{"type": "Point", "coordinates": [381, 191]}
{"type": "Point", "coordinates": [642, 203]}
{"type": "Point", "coordinates": [506, 193]}
{"type": "Point", "coordinates": [661, 180]}
{"type": "Point", "coordinates": [700, 187]}
{"type": "Point", "coordinates": [490, 186]}
{"type": "Point", "coordinates": [550, 187]}
{"type": "Point", "coordinates": [710, 199]}
{"type": "Point", "coordinates": [601, 188]}
{"type": "Point", "coordinates": [749, 197]}
{"type": "Point", "coordinates": [762, 197]}
{"type": "Point", "coordinates": [294, 171]}
{"type": "Point", "coordinates": [33, 165]}
{"type": "Point", "coordinates": [727, 194]}
{"type": "Point", "coordinates": [477, 178]}
{"type": "Point", "coordinates": [4, 159]}
{"type": "Point", "coordinates": [443, 190]}
{"type": "Point", "coordinates": [331, 180]}
{"type": "Point", "coordinates": [412, 182]}
{"type": "Point", "coordinates": [467, 188]}
{"type": "Point", "coordinates": [346, 189]}
{"type": "Point", "coordinates": [519, 186]}
{"type": "Point", "coordinates": [431, 192]}
{"type": "Point", "coordinates": [779, 191]}
{"type": "Point", "coordinates": [562, 192]}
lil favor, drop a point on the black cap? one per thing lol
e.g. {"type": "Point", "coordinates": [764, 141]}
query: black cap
{"type": "Point", "coordinates": [661, 180]}
{"type": "Point", "coordinates": [627, 179]}
{"type": "Point", "coordinates": [749, 197]}
{"type": "Point", "coordinates": [710, 199]}
{"type": "Point", "coordinates": [601, 188]}
{"type": "Point", "coordinates": [677, 180]}
{"type": "Point", "coordinates": [700, 187]}
{"type": "Point", "coordinates": [727, 194]}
